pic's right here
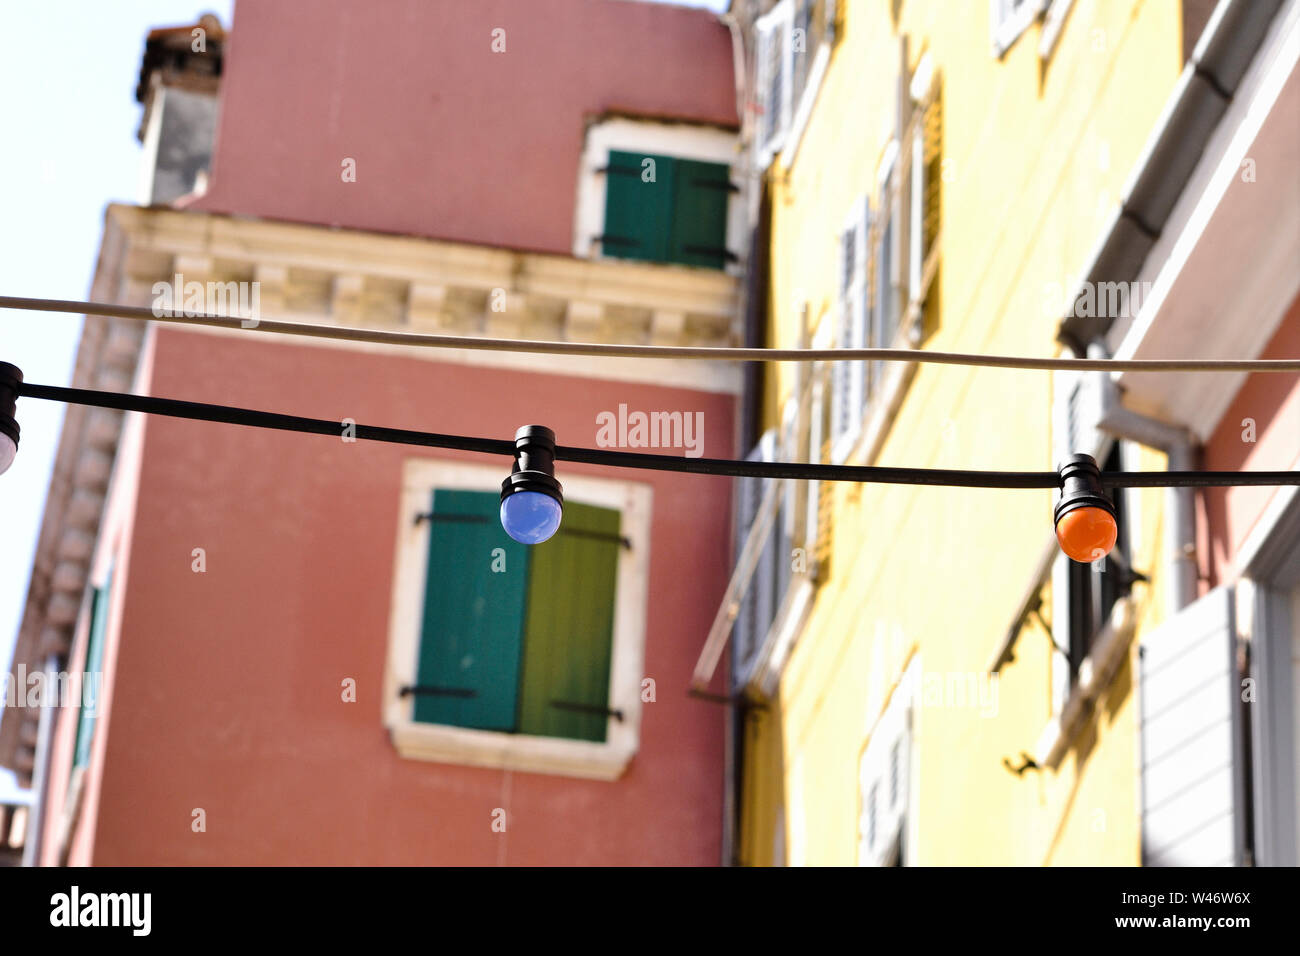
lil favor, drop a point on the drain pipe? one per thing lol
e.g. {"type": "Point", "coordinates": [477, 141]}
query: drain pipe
{"type": "Point", "coordinates": [1180, 503]}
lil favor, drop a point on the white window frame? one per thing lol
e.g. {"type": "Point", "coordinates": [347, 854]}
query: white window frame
{"type": "Point", "coordinates": [1010, 18]}
{"type": "Point", "coordinates": [916, 218]}
{"type": "Point", "coordinates": [488, 748]}
{"type": "Point", "coordinates": [705, 144]}
{"type": "Point", "coordinates": [887, 223]}
{"type": "Point", "coordinates": [853, 330]}
{"type": "Point", "coordinates": [774, 26]}
{"type": "Point", "coordinates": [895, 819]}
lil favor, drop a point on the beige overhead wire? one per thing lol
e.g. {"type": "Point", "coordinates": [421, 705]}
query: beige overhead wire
{"type": "Point", "coordinates": [704, 353]}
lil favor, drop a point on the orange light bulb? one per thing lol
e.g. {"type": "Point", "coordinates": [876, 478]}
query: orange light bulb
{"type": "Point", "coordinates": [1086, 534]}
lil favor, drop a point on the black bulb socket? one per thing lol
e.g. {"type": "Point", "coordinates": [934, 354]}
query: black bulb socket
{"type": "Point", "coordinates": [11, 379]}
{"type": "Point", "coordinates": [534, 467]}
{"type": "Point", "coordinates": [1081, 487]}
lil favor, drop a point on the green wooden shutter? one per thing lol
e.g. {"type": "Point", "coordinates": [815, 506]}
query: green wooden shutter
{"type": "Point", "coordinates": [94, 665]}
{"type": "Point", "coordinates": [568, 638]}
{"type": "Point", "coordinates": [638, 214]}
{"type": "Point", "coordinates": [699, 236]}
{"type": "Point", "coordinates": [473, 616]}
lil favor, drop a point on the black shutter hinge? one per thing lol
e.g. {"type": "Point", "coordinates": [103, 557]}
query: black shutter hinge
{"type": "Point", "coordinates": [426, 690]}
{"type": "Point", "coordinates": [587, 709]}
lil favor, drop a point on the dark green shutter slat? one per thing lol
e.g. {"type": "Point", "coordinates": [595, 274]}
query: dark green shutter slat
{"type": "Point", "coordinates": [638, 214]}
{"type": "Point", "coordinates": [94, 666]}
{"type": "Point", "coordinates": [473, 617]}
{"type": "Point", "coordinates": [568, 637]}
{"type": "Point", "coordinates": [700, 214]}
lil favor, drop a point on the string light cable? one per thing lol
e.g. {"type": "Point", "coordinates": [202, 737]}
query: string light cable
{"type": "Point", "coordinates": [606, 350]}
{"type": "Point", "coordinates": [723, 467]}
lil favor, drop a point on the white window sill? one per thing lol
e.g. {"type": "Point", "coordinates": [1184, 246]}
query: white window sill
{"type": "Point", "coordinates": [1095, 675]}
{"type": "Point", "coordinates": [489, 748]}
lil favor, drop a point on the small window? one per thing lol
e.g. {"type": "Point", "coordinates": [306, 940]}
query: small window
{"type": "Point", "coordinates": [517, 638]}
{"type": "Point", "coordinates": [849, 380]}
{"type": "Point", "coordinates": [92, 670]}
{"type": "Point", "coordinates": [506, 655]}
{"type": "Point", "coordinates": [666, 209]}
{"type": "Point", "coordinates": [884, 786]}
{"type": "Point", "coordinates": [775, 79]}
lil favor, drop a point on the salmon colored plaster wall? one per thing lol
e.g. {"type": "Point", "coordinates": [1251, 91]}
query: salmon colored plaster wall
{"type": "Point", "coordinates": [227, 693]}
{"type": "Point", "coordinates": [451, 140]}
{"type": "Point", "coordinates": [1273, 401]}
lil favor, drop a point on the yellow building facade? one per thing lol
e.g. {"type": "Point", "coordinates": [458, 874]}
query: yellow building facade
{"type": "Point", "coordinates": [940, 184]}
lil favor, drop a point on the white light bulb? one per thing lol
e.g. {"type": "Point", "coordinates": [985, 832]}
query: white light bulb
{"type": "Point", "coordinates": [7, 452]}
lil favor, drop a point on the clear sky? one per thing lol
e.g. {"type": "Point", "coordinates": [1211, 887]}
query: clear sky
{"type": "Point", "coordinates": [69, 70]}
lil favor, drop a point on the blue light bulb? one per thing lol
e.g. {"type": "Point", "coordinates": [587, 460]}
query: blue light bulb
{"type": "Point", "coordinates": [530, 517]}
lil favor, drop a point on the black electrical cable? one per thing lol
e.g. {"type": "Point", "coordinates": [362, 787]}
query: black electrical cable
{"type": "Point", "coordinates": [227, 414]}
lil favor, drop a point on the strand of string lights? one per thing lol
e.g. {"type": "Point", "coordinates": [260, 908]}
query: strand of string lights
{"type": "Point", "coordinates": [200, 411]}
{"type": "Point", "coordinates": [701, 353]}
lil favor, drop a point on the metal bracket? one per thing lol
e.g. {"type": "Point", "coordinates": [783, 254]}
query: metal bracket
{"type": "Point", "coordinates": [727, 700]}
{"type": "Point", "coordinates": [1026, 763]}
{"type": "Point", "coordinates": [587, 709]}
{"type": "Point", "coordinates": [426, 690]}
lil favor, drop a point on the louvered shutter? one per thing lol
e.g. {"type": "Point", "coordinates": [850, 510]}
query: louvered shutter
{"type": "Point", "coordinates": [94, 664]}
{"type": "Point", "coordinates": [758, 607]}
{"type": "Point", "coordinates": [916, 216]}
{"type": "Point", "coordinates": [801, 58]}
{"type": "Point", "coordinates": [569, 627]}
{"type": "Point", "coordinates": [884, 776]}
{"type": "Point", "coordinates": [816, 428]}
{"type": "Point", "coordinates": [1190, 713]}
{"type": "Point", "coordinates": [473, 618]}
{"type": "Point", "coordinates": [774, 110]}
{"type": "Point", "coordinates": [862, 378]}
{"type": "Point", "coordinates": [639, 214]}
{"type": "Point", "coordinates": [933, 175]}
{"type": "Point", "coordinates": [699, 214]}
{"type": "Point", "coordinates": [842, 372]}
{"type": "Point", "coordinates": [886, 278]}
{"type": "Point", "coordinates": [775, 67]}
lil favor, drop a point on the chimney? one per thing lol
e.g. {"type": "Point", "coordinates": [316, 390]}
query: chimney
{"type": "Point", "coordinates": [180, 77]}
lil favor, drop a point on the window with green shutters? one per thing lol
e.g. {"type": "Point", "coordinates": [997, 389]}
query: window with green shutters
{"type": "Point", "coordinates": [664, 209]}
{"type": "Point", "coordinates": [93, 666]}
{"type": "Point", "coordinates": [515, 638]}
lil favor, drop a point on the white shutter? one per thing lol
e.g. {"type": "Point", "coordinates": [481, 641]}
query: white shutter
{"type": "Point", "coordinates": [775, 74]}
{"type": "Point", "coordinates": [763, 75]}
{"type": "Point", "coordinates": [1189, 730]}
{"type": "Point", "coordinates": [816, 416]}
{"type": "Point", "coordinates": [841, 372]}
{"type": "Point", "coordinates": [885, 775]}
{"type": "Point", "coordinates": [861, 294]}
